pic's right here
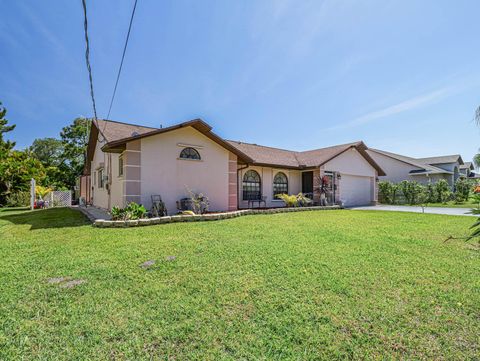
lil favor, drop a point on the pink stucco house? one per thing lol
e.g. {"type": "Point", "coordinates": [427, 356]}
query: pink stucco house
{"type": "Point", "coordinates": [127, 162]}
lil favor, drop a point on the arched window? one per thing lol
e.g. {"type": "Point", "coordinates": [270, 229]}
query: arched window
{"type": "Point", "coordinates": [280, 184]}
{"type": "Point", "coordinates": [189, 153]}
{"type": "Point", "coordinates": [251, 186]}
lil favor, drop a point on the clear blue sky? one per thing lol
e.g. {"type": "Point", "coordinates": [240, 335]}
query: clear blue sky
{"type": "Point", "coordinates": [403, 76]}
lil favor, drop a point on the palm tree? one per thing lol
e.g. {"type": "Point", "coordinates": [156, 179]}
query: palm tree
{"type": "Point", "coordinates": [476, 157]}
{"type": "Point", "coordinates": [476, 160]}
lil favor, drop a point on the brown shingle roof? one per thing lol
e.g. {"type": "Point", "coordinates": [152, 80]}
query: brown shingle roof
{"type": "Point", "coordinates": [113, 130]}
{"type": "Point", "coordinates": [269, 156]}
{"type": "Point", "coordinates": [117, 145]}
{"type": "Point", "coordinates": [316, 157]}
{"type": "Point", "coordinates": [118, 134]}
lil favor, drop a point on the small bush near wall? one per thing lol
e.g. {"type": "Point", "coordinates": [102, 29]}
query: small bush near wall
{"type": "Point", "coordinates": [131, 212]}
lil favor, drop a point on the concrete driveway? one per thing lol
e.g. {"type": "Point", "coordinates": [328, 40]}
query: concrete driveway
{"type": "Point", "coordinates": [415, 209]}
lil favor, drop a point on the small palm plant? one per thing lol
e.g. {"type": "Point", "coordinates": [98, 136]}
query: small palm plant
{"type": "Point", "coordinates": [290, 200]}
{"type": "Point", "coordinates": [42, 192]}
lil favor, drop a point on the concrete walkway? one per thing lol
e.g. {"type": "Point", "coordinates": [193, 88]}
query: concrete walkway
{"type": "Point", "coordinates": [416, 209]}
{"type": "Point", "coordinates": [93, 213]}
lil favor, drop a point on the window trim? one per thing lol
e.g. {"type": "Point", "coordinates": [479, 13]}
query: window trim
{"type": "Point", "coordinates": [101, 182]}
{"type": "Point", "coordinates": [121, 166]}
{"type": "Point", "coordinates": [190, 149]}
{"type": "Point", "coordinates": [273, 185]}
{"type": "Point", "coordinates": [245, 192]}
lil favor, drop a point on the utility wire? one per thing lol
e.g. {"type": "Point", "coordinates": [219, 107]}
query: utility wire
{"type": "Point", "coordinates": [123, 57]}
{"type": "Point", "coordinates": [87, 58]}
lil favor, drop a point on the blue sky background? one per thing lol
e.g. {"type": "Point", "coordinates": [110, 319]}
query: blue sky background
{"type": "Point", "coordinates": [403, 76]}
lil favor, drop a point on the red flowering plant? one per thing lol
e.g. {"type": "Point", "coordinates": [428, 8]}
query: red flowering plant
{"type": "Point", "coordinates": [321, 187]}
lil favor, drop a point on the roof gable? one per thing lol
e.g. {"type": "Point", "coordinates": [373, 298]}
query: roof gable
{"type": "Point", "coordinates": [198, 124]}
{"type": "Point", "coordinates": [424, 167]}
{"type": "Point", "coordinates": [269, 156]}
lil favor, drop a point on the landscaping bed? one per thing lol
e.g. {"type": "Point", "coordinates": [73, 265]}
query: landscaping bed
{"type": "Point", "coordinates": [204, 217]}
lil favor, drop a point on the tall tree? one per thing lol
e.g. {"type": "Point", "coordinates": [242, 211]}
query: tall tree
{"type": "Point", "coordinates": [16, 170]}
{"type": "Point", "coordinates": [476, 160]}
{"type": "Point", "coordinates": [49, 151]}
{"type": "Point", "coordinates": [75, 141]}
{"type": "Point", "coordinates": [6, 145]}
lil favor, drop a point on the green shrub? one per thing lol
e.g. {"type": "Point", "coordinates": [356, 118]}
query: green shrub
{"type": "Point", "coordinates": [117, 213]}
{"type": "Point", "coordinates": [462, 190]}
{"type": "Point", "coordinates": [442, 190]}
{"type": "Point", "coordinates": [385, 192]}
{"type": "Point", "coordinates": [411, 191]}
{"type": "Point", "coordinates": [131, 211]}
{"type": "Point", "coordinates": [395, 190]}
{"type": "Point", "coordinates": [431, 194]}
{"type": "Point", "coordinates": [18, 199]}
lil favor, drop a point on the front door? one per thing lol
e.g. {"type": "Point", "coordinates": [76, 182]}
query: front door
{"type": "Point", "coordinates": [307, 184]}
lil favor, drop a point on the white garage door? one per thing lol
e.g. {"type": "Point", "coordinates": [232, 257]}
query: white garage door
{"type": "Point", "coordinates": [355, 190]}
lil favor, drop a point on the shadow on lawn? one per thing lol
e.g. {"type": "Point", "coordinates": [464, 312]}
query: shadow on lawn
{"type": "Point", "coordinates": [46, 218]}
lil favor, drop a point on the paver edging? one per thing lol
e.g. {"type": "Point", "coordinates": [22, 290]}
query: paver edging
{"type": "Point", "coordinates": [102, 223]}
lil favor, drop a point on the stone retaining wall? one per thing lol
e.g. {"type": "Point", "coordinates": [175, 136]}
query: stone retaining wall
{"type": "Point", "coordinates": [204, 217]}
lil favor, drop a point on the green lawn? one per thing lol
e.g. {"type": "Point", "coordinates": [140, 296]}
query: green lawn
{"type": "Point", "coordinates": [308, 285]}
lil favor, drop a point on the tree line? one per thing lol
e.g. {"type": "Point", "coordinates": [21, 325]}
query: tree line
{"type": "Point", "coordinates": [52, 162]}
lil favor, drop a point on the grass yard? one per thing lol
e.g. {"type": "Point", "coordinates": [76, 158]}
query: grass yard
{"type": "Point", "coordinates": [308, 285]}
{"type": "Point", "coordinates": [453, 204]}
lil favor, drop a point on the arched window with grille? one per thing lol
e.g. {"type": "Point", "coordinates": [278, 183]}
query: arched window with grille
{"type": "Point", "coordinates": [189, 153]}
{"type": "Point", "coordinates": [251, 186]}
{"type": "Point", "coordinates": [280, 184]}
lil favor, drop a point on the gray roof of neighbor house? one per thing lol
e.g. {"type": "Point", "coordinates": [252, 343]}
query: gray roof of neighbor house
{"type": "Point", "coordinates": [467, 165]}
{"type": "Point", "coordinates": [117, 134]}
{"type": "Point", "coordinates": [424, 168]}
{"type": "Point", "coordinates": [441, 159]}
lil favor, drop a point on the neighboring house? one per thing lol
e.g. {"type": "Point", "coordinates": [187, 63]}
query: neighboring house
{"type": "Point", "coordinates": [127, 162]}
{"type": "Point", "coordinates": [467, 170]}
{"type": "Point", "coordinates": [423, 170]}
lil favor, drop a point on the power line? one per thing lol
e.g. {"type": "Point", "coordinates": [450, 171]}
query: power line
{"type": "Point", "coordinates": [123, 57]}
{"type": "Point", "coordinates": [87, 58]}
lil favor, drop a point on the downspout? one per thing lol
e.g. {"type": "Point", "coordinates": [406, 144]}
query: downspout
{"type": "Point", "coordinates": [109, 181]}
{"type": "Point", "coordinates": [238, 184]}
